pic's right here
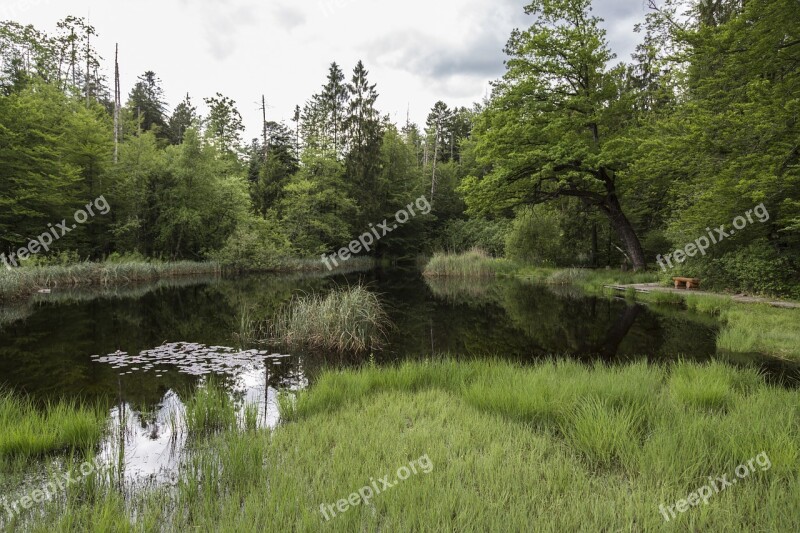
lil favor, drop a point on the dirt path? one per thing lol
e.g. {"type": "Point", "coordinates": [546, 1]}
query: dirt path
{"type": "Point", "coordinates": [655, 287]}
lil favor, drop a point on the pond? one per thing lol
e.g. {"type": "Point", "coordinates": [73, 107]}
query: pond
{"type": "Point", "coordinates": [143, 350]}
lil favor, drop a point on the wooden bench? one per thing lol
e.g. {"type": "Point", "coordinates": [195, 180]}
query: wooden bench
{"type": "Point", "coordinates": [689, 283]}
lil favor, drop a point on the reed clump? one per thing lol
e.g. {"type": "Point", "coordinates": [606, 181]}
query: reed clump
{"type": "Point", "coordinates": [344, 320]}
{"type": "Point", "coordinates": [472, 264]}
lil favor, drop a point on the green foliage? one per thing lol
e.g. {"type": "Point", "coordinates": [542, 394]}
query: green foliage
{"type": "Point", "coordinates": [256, 244]}
{"type": "Point", "coordinates": [536, 237]}
{"type": "Point", "coordinates": [756, 268]}
{"type": "Point", "coordinates": [316, 211]}
{"type": "Point", "coordinates": [460, 235]}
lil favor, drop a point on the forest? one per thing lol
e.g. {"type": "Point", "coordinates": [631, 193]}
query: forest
{"type": "Point", "coordinates": [576, 159]}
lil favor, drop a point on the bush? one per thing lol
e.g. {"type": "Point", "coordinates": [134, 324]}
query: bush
{"type": "Point", "coordinates": [257, 244]}
{"type": "Point", "coordinates": [63, 258]}
{"type": "Point", "coordinates": [756, 269]}
{"type": "Point", "coordinates": [536, 237]}
{"type": "Point", "coordinates": [461, 236]}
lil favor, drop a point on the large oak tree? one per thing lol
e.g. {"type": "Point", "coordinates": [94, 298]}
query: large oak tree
{"type": "Point", "coordinates": [553, 126]}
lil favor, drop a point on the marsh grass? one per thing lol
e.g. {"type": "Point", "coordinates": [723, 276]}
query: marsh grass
{"type": "Point", "coordinates": [20, 282]}
{"type": "Point", "coordinates": [597, 448]}
{"type": "Point", "coordinates": [473, 264]}
{"type": "Point", "coordinates": [30, 432]}
{"type": "Point", "coordinates": [250, 416]}
{"type": "Point", "coordinates": [751, 328]}
{"type": "Point", "coordinates": [605, 435]}
{"type": "Point", "coordinates": [348, 319]}
{"type": "Point", "coordinates": [210, 410]}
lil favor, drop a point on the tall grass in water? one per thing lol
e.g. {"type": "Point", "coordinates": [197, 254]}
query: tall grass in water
{"type": "Point", "coordinates": [344, 320]}
{"type": "Point", "coordinates": [210, 410]}
{"type": "Point", "coordinates": [473, 264]}
{"type": "Point", "coordinates": [22, 281]}
{"type": "Point", "coordinates": [29, 432]}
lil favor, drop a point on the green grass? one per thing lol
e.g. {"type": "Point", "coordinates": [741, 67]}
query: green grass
{"type": "Point", "coordinates": [344, 320]}
{"type": "Point", "coordinates": [569, 276]}
{"type": "Point", "coordinates": [210, 410]}
{"type": "Point", "coordinates": [751, 328]}
{"type": "Point", "coordinates": [472, 264]}
{"type": "Point", "coordinates": [748, 328]}
{"type": "Point", "coordinates": [560, 445]}
{"type": "Point", "coordinates": [29, 432]}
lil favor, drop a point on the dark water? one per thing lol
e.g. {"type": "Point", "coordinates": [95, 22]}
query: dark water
{"type": "Point", "coordinates": [120, 348]}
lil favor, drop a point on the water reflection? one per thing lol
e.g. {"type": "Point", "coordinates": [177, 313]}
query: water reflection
{"type": "Point", "coordinates": [145, 351]}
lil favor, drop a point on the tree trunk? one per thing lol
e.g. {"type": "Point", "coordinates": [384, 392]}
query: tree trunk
{"type": "Point", "coordinates": [625, 231]}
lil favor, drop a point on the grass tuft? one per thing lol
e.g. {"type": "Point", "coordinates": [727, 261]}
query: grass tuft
{"type": "Point", "coordinates": [344, 320]}
{"type": "Point", "coordinates": [210, 410]}
{"type": "Point", "coordinates": [473, 264]}
{"type": "Point", "coordinates": [30, 432]}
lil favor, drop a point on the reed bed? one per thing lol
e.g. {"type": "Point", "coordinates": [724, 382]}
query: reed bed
{"type": "Point", "coordinates": [20, 282]}
{"type": "Point", "coordinates": [473, 264]}
{"type": "Point", "coordinates": [344, 320]}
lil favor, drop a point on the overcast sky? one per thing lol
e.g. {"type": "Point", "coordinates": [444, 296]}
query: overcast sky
{"type": "Point", "coordinates": [417, 51]}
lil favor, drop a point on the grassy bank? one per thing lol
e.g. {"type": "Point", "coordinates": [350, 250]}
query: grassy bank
{"type": "Point", "coordinates": [560, 445]}
{"type": "Point", "coordinates": [22, 282]}
{"type": "Point", "coordinates": [746, 327]}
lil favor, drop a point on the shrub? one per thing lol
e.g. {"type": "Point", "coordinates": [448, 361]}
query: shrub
{"type": "Point", "coordinates": [756, 269]}
{"type": "Point", "coordinates": [536, 237]}
{"type": "Point", "coordinates": [257, 244]}
{"type": "Point", "coordinates": [462, 235]}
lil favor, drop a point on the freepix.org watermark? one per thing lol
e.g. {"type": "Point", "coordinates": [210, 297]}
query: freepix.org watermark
{"type": "Point", "coordinates": [46, 239]}
{"type": "Point", "coordinates": [367, 492]}
{"type": "Point", "coordinates": [714, 237]}
{"type": "Point", "coordinates": [14, 10]}
{"type": "Point", "coordinates": [57, 484]}
{"type": "Point", "coordinates": [715, 486]}
{"type": "Point", "coordinates": [368, 239]}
